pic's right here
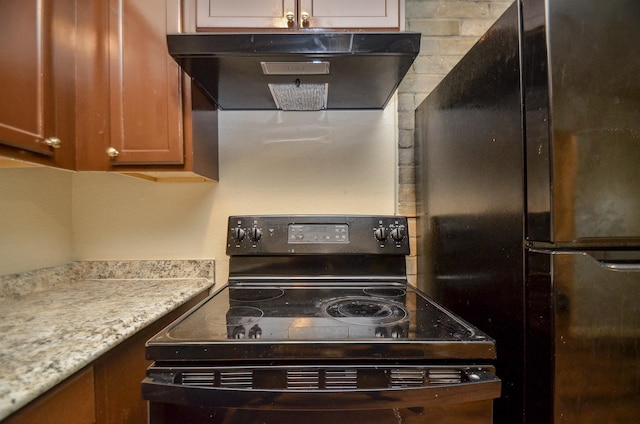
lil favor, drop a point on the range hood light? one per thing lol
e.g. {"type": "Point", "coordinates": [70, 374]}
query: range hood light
{"type": "Point", "coordinates": [315, 67]}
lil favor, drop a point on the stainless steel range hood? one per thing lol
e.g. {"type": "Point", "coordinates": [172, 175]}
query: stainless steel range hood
{"type": "Point", "coordinates": [301, 71]}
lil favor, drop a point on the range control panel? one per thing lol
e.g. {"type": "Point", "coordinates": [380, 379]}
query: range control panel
{"type": "Point", "coordinates": [317, 234]}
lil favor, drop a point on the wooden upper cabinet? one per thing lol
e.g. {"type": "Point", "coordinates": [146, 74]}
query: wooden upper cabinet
{"type": "Point", "coordinates": [37, 84]}
{"type": "Point", "coordinates": [296, 14]}
{"type": "Point", "coordinates": [135, 115]}
{"type": "Point", "coordinates": [89, 85]}
{"type": "Point", "coordinates": [144, 86]}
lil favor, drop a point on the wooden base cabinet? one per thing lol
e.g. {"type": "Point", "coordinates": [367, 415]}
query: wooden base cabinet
{"type": "Point", "coordinates": [71, 402]}
{"type": "Point", "coordinates": [107, 391]}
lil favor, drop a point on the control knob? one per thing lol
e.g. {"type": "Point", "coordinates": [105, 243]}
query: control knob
{"type": "Point", "coordinates": [255, 234]}
{"type": "Point", "coordinates": [381, 332]}
{"type": "Point", "coordinates": [238, 332]}
{"type": "Point", "coordinates": [238, 234]}
{"type": "Point", "coordinates": [397, 332]}
{"type": "Point", "coordinates": [381, 233]}
{"type": "Point", "coordinates": [255, 332]}
{"type": "Point", "coordinates": [398, 233]}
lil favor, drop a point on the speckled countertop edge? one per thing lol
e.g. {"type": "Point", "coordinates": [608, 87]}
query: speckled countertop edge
{"type": "Point", "coordinates": [54, 327]}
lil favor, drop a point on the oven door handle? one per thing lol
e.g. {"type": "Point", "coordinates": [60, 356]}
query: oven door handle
{"type": "Point", "coordinates": [478, 385]}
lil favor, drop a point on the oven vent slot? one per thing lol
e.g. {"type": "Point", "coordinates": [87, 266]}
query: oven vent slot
{"type": "Point", "coordinates": [303, 379]}
{"type": "Point", "coordinates": [407, 377]}
{"type": "Point", "coordinates": [198, 379]}
{"type": "Point", "coordinates": [444, 376]}
{"type": "Point", "coordinates": [237, 379]}
{"type": "Point", "coordinates": [341, 379]}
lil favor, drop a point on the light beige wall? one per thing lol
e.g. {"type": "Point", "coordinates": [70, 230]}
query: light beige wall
{"type": "Point", "coordinates": [270, 163]}
{"type": "Point", "coordinates": [35, 218]}
{"type": "Point", "coordinates": [121, 217]}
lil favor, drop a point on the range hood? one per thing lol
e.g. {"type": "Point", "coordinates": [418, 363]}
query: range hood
{"type": "Point", "coordinates": [301, 71]}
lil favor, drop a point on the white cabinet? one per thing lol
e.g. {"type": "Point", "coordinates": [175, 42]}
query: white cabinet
{"type": "Point", "coordinates": [351, 14]}
{"type": "Point", "coordinates": [246, 13]}
{"type": "Point", "coordinates": [297, 14]}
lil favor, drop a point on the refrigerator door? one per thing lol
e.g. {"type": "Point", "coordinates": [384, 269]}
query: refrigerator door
{"type": "Point", "coordinates": [583, 336]}
{"type": "Point", "coordinates": [582, 113]}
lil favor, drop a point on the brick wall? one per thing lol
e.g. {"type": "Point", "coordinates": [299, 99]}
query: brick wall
{"type": "Point", "coordinates": [449, 29]}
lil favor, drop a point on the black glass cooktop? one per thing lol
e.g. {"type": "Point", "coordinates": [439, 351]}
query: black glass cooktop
{"type": "Point", "coordinates": [328, 320]}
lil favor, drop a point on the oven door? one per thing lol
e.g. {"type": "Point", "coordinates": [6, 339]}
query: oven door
{"type": "Point", "coordinates": [338, 394]}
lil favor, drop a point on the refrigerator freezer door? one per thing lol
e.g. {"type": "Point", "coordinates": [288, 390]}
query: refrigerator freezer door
{"type": "Point", "coordinates": [596, 185]}
{"type": "Point", "coordinates": [582, 114]}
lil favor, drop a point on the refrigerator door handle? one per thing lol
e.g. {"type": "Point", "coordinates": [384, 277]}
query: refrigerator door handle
{"type": "Point", "coordinates": [624, 261]}
{"type": "Point", "coordinates": [621, 266]}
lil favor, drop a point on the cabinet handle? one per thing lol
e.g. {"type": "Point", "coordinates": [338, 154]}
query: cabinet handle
{"type": "Point", "coordinates": [305, 19]}
{"type": "Point", "coordinates": [290, 16]}
{"type": "Point", "coordinates": [53, 142]}
{"type": "Point", "coordinates": [112, 152]}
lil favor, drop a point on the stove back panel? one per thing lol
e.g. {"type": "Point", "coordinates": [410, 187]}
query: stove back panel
{"type": "Point", "coordinates": [297, 235]}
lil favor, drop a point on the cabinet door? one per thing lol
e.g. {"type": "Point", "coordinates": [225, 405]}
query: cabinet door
{"type": "Point", "coordinates": [350, 14]}
{"type": "Point", "coordinates": [37, 80]}
{"type": "Point", "coordinates": [245, 13]}
{"type": "Point", "coordinates": [119, 373]}
{"type": "Point", "coordinates": [72, 402]}
{"type": "Point", "coordinates": [145, 88]}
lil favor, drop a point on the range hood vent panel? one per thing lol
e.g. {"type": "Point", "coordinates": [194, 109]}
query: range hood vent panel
{"type": "Point", "coordinates": [299, 96]}
{"type": "Point", "coordinates": [358, 70]}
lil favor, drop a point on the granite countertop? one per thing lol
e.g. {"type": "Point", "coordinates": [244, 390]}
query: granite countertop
{"type": "Point", "coordinates": [54, 322]}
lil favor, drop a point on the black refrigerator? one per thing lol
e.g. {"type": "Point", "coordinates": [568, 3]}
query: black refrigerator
{"type": "Point", "coordinates": [528, 206]}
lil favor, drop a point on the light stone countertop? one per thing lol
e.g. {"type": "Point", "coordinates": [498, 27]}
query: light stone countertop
{"type": "Point", "coordinates": [49, 331]}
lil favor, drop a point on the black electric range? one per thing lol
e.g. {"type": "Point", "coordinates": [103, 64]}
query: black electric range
{"type": "Point", "coordinates": [317, 316]}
